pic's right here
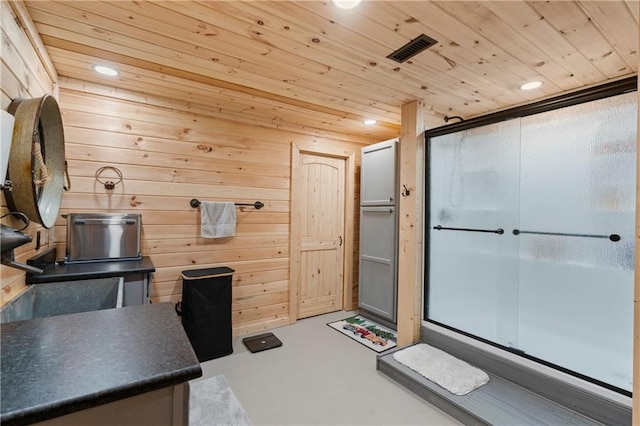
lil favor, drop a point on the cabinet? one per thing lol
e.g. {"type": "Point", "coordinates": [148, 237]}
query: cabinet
{"type": "Point", "coordinates": [378, 283]}
{"type": "Point", "coordinates": [377, 293]}
{"type": "Point", "coordinates": [168, 406]}
{"type": "Point", "coordinates": [378, 174]}
{"type": "Point", "coordinates": [127, 366]}
{"type": "Point", "coordinates": [136, 289]}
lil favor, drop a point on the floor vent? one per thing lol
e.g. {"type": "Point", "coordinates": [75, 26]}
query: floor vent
{"type": "Point", "coordinates": [415, 46]}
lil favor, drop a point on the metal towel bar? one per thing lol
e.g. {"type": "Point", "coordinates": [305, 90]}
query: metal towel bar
{"type": "Point", "coordinates": [195, 203]}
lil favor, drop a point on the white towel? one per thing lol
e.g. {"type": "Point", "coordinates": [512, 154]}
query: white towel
{"type": "Point", "coordinates": [218, 220]}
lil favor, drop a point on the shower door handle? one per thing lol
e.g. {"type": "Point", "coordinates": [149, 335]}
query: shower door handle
{"type": "Point", "coordinates": [498, 231]}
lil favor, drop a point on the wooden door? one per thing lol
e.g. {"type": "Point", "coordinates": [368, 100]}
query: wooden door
{"type": "Point", "coordinates": [321, 207]}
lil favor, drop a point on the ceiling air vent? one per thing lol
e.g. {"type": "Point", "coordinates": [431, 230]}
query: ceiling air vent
{"type": "Point", "coordinates": [415, 46]}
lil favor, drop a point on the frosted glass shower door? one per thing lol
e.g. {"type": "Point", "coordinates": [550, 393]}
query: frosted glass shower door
{"type": "Point", "coordinates": [474, 183]}
{"type": "Point", "coordinates": [576, 292]}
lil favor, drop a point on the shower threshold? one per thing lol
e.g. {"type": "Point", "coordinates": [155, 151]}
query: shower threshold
{"type": "Point", "coordinates": [514, 394]}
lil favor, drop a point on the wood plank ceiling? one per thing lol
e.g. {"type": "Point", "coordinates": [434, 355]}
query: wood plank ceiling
{"type": "Point", "coordinates": [308, 62]}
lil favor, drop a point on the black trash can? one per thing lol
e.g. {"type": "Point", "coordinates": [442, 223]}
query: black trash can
{"type": "Point", "coordinates": [206, 311]}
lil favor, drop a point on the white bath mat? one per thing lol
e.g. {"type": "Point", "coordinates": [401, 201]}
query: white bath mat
{"type": "Point", "coordinates": [212, 402]}
{"type": "Point", "coordinates": [453, 374]}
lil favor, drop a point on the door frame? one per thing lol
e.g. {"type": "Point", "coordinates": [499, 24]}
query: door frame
{"type": "Point", "coordinates": [298, 148]}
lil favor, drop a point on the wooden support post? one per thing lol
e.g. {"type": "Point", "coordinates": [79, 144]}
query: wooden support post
{"type": "Point", "coordinates": [410, 236]}
{"type": "Point", "coordinates": [636, 299]}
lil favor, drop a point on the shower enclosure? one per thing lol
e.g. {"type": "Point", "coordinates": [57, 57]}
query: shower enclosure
{"type": "Point", "coordinates": [530, 233]}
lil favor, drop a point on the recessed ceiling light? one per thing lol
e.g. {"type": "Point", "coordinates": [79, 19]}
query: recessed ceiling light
{"type": "Point", "coordinates": [370, 122]}
{"type": "Point", "coordinates": [346, 4]}
{"type": "Point", "coordinates": [531, 85]}
{"type": "Point", "coordinates": [105, 70]}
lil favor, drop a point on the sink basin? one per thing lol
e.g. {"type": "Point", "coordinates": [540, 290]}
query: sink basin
{"type": "Point", "coordinates": [64, 297]}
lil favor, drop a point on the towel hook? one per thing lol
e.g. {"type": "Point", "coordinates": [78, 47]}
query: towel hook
{"type": "Point", "coordinates": [109, 184]}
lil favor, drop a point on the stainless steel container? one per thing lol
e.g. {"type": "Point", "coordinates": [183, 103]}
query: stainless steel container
{"type": "Point", "coordinates": [94, 237]}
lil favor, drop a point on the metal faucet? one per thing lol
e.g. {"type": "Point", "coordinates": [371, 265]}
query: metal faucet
{"type": "Point", "coordinates": [10, 239]}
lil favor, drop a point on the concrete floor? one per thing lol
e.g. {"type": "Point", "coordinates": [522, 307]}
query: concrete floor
{"type": "Point", "coordinates": [319, 377]}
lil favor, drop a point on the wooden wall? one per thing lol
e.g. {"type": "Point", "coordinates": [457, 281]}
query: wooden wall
{"type": "Point", "coordinates": [636, 304]}
{"type": "Point", "coordinates": [170, 152]}
{"type": "Point", "coordinates": [27, 73]}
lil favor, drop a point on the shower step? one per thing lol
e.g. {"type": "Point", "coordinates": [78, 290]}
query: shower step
{"type": "Point", "coordinates": [498, 402]}
{"type": "Point", "coordinates": [515, 394]}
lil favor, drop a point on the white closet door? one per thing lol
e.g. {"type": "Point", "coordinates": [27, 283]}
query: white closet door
{"type": "Point", "coordinates": [377, 290]}
{"type": "Point", "coordinates": [379, 174]}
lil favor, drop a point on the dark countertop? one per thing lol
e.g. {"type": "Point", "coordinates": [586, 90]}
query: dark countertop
{"type": "Point", "coordinates": [81, 271]}
{"type": "Point", "coordinates": [58, 365]}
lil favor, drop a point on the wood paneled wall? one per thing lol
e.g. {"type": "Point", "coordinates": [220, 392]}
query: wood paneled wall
{"type": "Point", "coordinates": [170, 152]}
{"type": "Point", "coordinates": [636, 304]}
{"type": "Point", "coordinates": [26, 73]}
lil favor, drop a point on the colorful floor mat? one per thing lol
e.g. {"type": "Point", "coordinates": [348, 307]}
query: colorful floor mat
{"type": "Point", "coordinates": [367, 332]}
